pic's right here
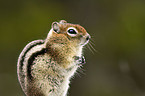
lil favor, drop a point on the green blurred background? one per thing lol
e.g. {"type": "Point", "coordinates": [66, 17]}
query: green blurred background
{"type": "Point", "coordinates": [117, 28]}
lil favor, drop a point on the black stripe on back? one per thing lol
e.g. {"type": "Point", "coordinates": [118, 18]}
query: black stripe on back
{"type": "Point", "coordinates": [30, 62]}
{"type": "Point", "coordinates": [22, 56]}
{"type": "Point", "coordinates": [28, 49]}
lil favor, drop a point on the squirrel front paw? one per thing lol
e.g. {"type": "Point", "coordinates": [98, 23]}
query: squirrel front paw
{"type": "Point", "coordinates": [79, 60]}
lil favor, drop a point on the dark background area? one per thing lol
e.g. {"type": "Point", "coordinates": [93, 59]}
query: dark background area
{"type": "Point", "coordinates": [117, 27]}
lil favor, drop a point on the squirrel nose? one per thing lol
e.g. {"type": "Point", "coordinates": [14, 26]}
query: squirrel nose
{"type": "Point", "coordinates": [88, 37]}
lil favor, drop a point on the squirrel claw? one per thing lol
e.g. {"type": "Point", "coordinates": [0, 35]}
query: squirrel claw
{"type": "Point", "coordinates": [80, 60]}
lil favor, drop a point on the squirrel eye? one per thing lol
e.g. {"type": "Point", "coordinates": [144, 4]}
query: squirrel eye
{"type": "Point", "coordinates": [72, 31]}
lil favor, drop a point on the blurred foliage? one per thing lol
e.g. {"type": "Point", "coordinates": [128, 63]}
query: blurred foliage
{"type": "Point", "coordinates": [117, 28]}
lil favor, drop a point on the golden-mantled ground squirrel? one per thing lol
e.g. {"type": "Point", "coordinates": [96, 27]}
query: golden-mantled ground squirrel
{"type": "Point", "coordinates": [45, 66]}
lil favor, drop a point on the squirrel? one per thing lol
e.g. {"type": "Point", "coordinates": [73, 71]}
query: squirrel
{"type": "Point", "coordinates": [45, 67]}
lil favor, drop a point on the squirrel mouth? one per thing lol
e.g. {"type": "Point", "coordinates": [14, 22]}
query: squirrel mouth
{"type": "Point", "coordinates": [85, 40]}
{"type": "Point", "coordinates": [84, 43]}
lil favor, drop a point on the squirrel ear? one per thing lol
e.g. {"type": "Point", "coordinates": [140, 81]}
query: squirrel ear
{"type": "Point", "coordinates": [63, 21]}
{"type": "Point", "coordinates": [55, 26]}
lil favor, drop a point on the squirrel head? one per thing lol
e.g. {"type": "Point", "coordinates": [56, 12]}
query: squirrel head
{"type": "Point", "coordinates": [74, 33]}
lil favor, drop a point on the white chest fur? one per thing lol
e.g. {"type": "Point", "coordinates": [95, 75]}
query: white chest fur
{"type": "Point", "coordinates": [52, 79]}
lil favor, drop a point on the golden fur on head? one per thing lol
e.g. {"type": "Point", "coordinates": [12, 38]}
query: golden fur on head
{"type": "Point", "coordinates": [64, 46]}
